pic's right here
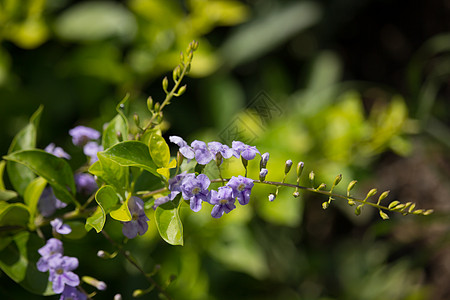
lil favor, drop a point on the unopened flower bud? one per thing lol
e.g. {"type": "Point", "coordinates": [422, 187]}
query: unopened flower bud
{"type": "Point", "coordinates": [99, 285]}
{"type": "Point", "coordinates": [264, 160]}
{"type": "Point", "coordinates": [150, 103]}
{"type": "Point", "coordinates": [165, 84]}
{"type": "Point", "coordinates": [351, 185]}
{"type": "Point", "coordinates": [300, 166]}
{"type": "Point", "coordinates": [287, 166]}
{"type": "Point", "coordinates": [263, 174]}
{"type": "Point", "coordinates": [157, 106]}
{"type": "Point", "coordinates": [296, 194]}
{"type": "Point", "coordinates": [321, 186]}
{"type": "Point", "coordinates": [181, 90]}
{"type": "Point", "coordinates": [117, 297]}
{"type": "Point", "coordinates": [101, 254]}
{"type": "Point", "coordinates": [371, 193]}
{"type": "Point", "coordinates": [325, 205]}
{"type": "Point", "coordinates": [180, 158]}
{"type": "Point", "coordinates": [136, 119]}
{"type": "Point", "coordinates": [337, 179]}
{"type": "Point", "coordinates": [271, 197]}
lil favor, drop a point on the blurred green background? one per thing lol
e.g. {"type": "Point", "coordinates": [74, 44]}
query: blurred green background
{"type": "Point", "coordinates": [355, 87]}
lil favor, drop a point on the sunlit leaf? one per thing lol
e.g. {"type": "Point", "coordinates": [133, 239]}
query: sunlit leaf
{"type": "Point", "coordinates": [168, 221]}
{"type": "Point", "coordinates": [111, 172]}
{"type": "Point", "coordinates": [132, 154]}
{"type": "Point", "coordinates": [18, 260]}
{"type": "Point", "coordinates": [53, 169]}
{"type": "Point", "coordinates": [32, 195]}
{"type": "Point", "coordinates": [159, 150]}
{"type": "Point", "coordinates": [19, 175]}
{"type": "Point", "coordinates": [7, 195]}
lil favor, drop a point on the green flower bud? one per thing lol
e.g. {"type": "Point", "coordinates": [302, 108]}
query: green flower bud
{"type": "Point", "coordinates": [287, 166]}
{"type": "Point", "coordinates": [337, 179]}
{"type": "Point", "coordinates": [165, 84]}
{"type": "Point", "coordinates": [150, 103]}
{"type": "Point", "coordinates": [300, 166]}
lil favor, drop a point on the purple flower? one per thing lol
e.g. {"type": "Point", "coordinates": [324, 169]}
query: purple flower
{"type": "Point", "coordinates": [195, 189]}
{"type": "Point", "coordinates": [85, 183]}
{"type": "Point", "coordinates": [50, 249]}
{"type": "Point", "coordinates": [216, 148]}
{"type": "Point", "coordinates": [61, 274]}
{"type": "Point", "coordinates": [264, 160]}
{"type": "Point", "coordinates": [72, 293]}
{"type": "Point", "coordinates": [160, 201]}
{"type": "Point", "coordinates": [48, 203]}
{"type": "Point", "coordinates": [272, 197]}
{"type": "Point", "coordinates": [138, 223]}
{"type": "Point", "coordinates": [242, 187]}
{"type": "Point", "coordinates": [56, 151]}
{"type": "Point", "coordinates": [246, 151]}
{"type": "Point", "coordinates": [91, 149]}
{"type": "Point", "coordinates": [223, 200]}
{"type": "Point", "coordinates": [175, 184]}
{"type": "Point", "coordinates": [82, 134]}
{"type": "Point", "coordinates": [60, 227]}
{"type": "Point", "coordinates": [187, 151]}
{"type": "Point", "coordinates": [202, 154]}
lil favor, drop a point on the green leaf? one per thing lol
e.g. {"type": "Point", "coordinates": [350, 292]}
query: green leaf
{"type": "Point", "coordinates": [122, 213]}
{"type": "Point", "coordinates": [18, 260]}
{"type": "Point", "coordinates": [14, 214]}
{"type": "Point", "coordinates": [107, 200]}
{"type": "Point", "coordinates": [159, 150]}
{"type": "Point", "coordinates": [111, 173]}
{"type": "Point", "coordinates": [32, 194]}
{"type": "Point", "coordinates": [7, 195]}
{"type": "Point", "coordinates": [53, 169]}
{"type": "Point", "coordinates": [19, 175]}
{"type": "Point", "coordinates": [168, 221]}
{"type": "Point", "coordinates": [131, 154]}
{"type": "Point", "coordinates": [96, 20]}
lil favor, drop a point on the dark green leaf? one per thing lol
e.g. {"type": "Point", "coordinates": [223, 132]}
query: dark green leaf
{"type": "Point", "coordinates": [168, 221]}
{"type": "Point", "coordinates": [53, 169]}
{"type": "Point", "coordinates": [18, 261]}
{"type": "Point", "coordinates": [19, 175]}
{"type": "Point", "coordinates": [131, 154]}
{"type": "Point", "coordinates": [2, 169]}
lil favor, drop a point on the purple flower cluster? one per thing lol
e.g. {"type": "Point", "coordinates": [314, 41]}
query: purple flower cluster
{"type": "Point", "coordinates": [60, 268]}
{"type": "Point", "coordinates": [195, 190]}
{"type": "Point", "coordinates": [86, 137]}
{"type": "Point", "coordinates": [203, 153]}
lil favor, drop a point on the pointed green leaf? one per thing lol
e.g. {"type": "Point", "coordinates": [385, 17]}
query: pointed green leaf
{"type": "Point", "coordinates": [14, 214]}
{"type": "Point", "coordinates": [168, 221]}
{"type": "Point", "coordinates": [107, 200]}
{"type": "Point", "coordinates": [159, 150]}
{"type": "Point", "coordinates": [131, 154]}
{"type": "Point", "coordinates": [18, 260]}
{"type": "Point", "coordinates": [32, 194]}
{"type": "Point", "coordinates": [53, 169]}
{"type": "Point", "coordinates": [111, 173]}
{"type": "Point", "coordinates": [19, 175]}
